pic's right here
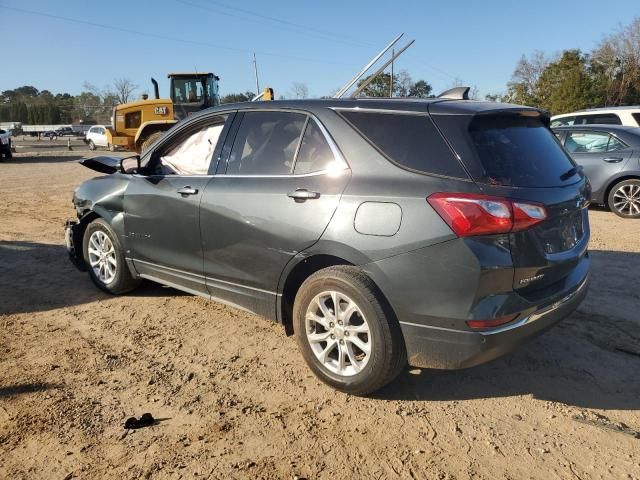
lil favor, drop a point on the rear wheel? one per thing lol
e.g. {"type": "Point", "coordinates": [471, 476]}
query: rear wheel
{"type": "Point", "coordinates": [624, 199]}
{"type": "Point", "coordinates": [105, 260]}
{"type": "Point", "coordinates": [92, 146]}
{"type": "Point", "coordinates": [344, 332]}
{"type": "Point", "coordinates": [150, 140]}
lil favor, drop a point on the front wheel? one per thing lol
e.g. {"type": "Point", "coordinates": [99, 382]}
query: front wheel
{"type": "Point", "coordinates": [92, 146]}
{"type": "Point", "coordinates": [112, 147]}
{"type": "Point", "coordinates": [624, 199]}
{"type": "Point", "coordinates": [150, 140]}
{"type": "Point", "coordinates": [347, 336]}
{"type": "Point", "coordinates": [105, 260]}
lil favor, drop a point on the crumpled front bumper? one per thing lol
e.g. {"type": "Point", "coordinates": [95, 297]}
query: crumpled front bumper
{"type": "Point", "coordinates": [73, 242]}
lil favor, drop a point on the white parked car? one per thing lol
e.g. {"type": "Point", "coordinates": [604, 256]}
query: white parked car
{"type": "Point", "coordinates": [629, 116]}
{"type": "Point", "coordinates": [96, 137]}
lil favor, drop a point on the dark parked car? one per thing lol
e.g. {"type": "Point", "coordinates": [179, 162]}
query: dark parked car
{"type": "Point", "coordinates": [50, 134]}
{"type": "Point", "coordinates": [610, 156]}
{"type": "Point", "coordinates": [65, 132]}
{"type": "Point", "coordinates": [438, 233]}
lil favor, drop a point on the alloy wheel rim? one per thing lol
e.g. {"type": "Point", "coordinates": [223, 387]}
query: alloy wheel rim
{"type": "Point", "coordinates": [102, 257]}
{"type": "Point", "coordinates": [626, 199]}
{"type": "Point", "coordinates": [338, 333]}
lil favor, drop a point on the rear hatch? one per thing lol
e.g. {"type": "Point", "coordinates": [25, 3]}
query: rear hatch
{"type": "Point", "coordinates": [510, 152]}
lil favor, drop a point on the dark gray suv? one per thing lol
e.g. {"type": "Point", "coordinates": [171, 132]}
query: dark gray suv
{"type": "Point", "coordinates": [438, 233]}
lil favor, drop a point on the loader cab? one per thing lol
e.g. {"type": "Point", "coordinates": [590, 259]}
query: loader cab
{"type": "Point", "coordinates": [192, 92]}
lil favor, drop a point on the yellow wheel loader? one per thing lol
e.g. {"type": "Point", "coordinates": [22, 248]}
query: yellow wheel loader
{"type": "Point", "coordinates": [136, 125]}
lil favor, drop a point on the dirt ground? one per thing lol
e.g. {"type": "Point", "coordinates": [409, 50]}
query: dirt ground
{"type": "Point", "coordinates": [236, 401]}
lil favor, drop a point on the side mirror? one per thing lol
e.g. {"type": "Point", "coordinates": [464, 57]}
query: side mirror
{"type": "Point", "coordinates": [130, 164]}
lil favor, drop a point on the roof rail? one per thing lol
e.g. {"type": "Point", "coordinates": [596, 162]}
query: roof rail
{"type": "Point", "coordinates": [456, 93]}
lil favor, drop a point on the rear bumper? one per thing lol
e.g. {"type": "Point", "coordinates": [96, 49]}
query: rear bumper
{"type": "Point", "coordinates": [443, 348]}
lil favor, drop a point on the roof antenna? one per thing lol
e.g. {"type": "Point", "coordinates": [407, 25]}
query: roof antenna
{"type": "Point", "coordinates": [340, 93]}
{"type": "Point", "coordinates": [456, 93]}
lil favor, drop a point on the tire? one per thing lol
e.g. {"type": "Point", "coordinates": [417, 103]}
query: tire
{"type": "Point", "coordinates": [8, 154]}
{"type": "Point", "coordinates": [92, 146]}
{"type": "Point", "coordinates": [117, 278]}
{"type": "Point", "coordinates": [112, 148]}
{"type": "Point", "coordinates": [361, 372]}
{"type": "Point", "coordinates": [624, 199]}
{"type": "Point", "coordinates": [150, 140]}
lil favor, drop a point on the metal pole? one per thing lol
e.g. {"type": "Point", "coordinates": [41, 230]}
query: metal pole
{"type": "Point", "coordinates": [380, 70]}
{"type": "Point", "coordinates": [351, 82]}
{"type": "Point", "coordinates": [393, 53]}
{"type": "Point", "coordinates": [255, 68]}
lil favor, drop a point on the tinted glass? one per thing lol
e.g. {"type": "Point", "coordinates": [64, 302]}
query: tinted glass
{"type": "Point", "coordinates": [636, 117]}
{"type": "Point", "coordinates": [266, 143]}
{"type": "Point", "coordinates": [412, 141]}
{"type": "Point", "coordinates": [558, 122]}
{"type": "Point", "coordinates": [598, 119]}
{"type": "Point", "coordinates": [586, 142]}
{"type": "Point", "coordinates": [615, 144]}
{"type": "Point", "coordinates": [133, 119]}
{"type": "Point", "coordinates": [314, 154]}
{"type": "Point", "coordinates": [518, 151]}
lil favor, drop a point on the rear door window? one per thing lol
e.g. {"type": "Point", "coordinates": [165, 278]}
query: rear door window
{"type": "Point", "coordinates": [598, 119]}
{"type": "Point", "coordinates": [266, 143]}
{"type": "Point", "coordinates": [636, 117]}
{"type": "Point", "coordinates": [410, 141]}
{"type": "Point", "coordinates": [517, 150]}
{"type": "Point", "coordinates": [586, 142]}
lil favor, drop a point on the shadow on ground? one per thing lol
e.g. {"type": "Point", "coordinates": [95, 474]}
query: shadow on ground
{"type": "Point", "coordinates": [24, 159]}
{"type": "Point", "coordinates": [38, 277]}
{"type": "Point", "coordinates": [23, 388]}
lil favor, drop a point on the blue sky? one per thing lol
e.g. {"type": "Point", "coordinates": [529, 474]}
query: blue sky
{"type": "Point", "coordinates": [320, 43]}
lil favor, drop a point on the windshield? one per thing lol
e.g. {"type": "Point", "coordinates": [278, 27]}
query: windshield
{"type": "Point", "coordinates": [519, 151]}
{"type": "Point", "coordinates": [188, 90]}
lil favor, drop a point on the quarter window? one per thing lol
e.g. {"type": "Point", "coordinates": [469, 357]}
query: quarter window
{"type": "Point", "coordinates": [315, 153]}
{"type": "Point", "coordinates": [636, 117]}
{"type": "Point", "coordinates": [412, 141]}
{"type": "Point", "coordinates": [266, 143]}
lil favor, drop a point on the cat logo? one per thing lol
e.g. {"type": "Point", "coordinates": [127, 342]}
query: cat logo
{"type": "Point", "coordinates": [161, 110]}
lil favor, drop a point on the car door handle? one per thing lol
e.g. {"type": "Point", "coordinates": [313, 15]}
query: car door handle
{"type": "Point", "coordinates": [613, 159]}
{"type": "Point", "coordinates": [302, 194]}
{"type": "Point", "coordinates": [187, 190]}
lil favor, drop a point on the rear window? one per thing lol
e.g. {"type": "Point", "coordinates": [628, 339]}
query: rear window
{"type": "Point", "coordinates": [410, 141]}
{"type": "Point", "coordinates": [636, 117]}
{"type": "Point", "coordinates": [518, 151]}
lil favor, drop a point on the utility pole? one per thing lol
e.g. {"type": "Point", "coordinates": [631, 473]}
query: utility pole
{"type": "Point", "coordinates": [255, 68]}
{"type": "Point", "coordinates": [393, 52]}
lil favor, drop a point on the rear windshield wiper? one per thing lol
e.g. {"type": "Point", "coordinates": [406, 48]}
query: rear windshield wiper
{"type": "Point", "coordinates": [571, 172]}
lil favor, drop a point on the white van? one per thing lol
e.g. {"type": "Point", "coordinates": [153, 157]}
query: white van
{"type": "Point", "coordinates": [629, 116]}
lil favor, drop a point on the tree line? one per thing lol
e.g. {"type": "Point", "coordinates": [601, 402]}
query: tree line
{"type": "Point", "coordinates": [31, 106]}
{"type": "Point", "coordinates": [608, 75]}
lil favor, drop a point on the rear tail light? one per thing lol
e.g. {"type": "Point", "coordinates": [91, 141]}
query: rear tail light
{"type": "Point", "coordinates": [470, 214]}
